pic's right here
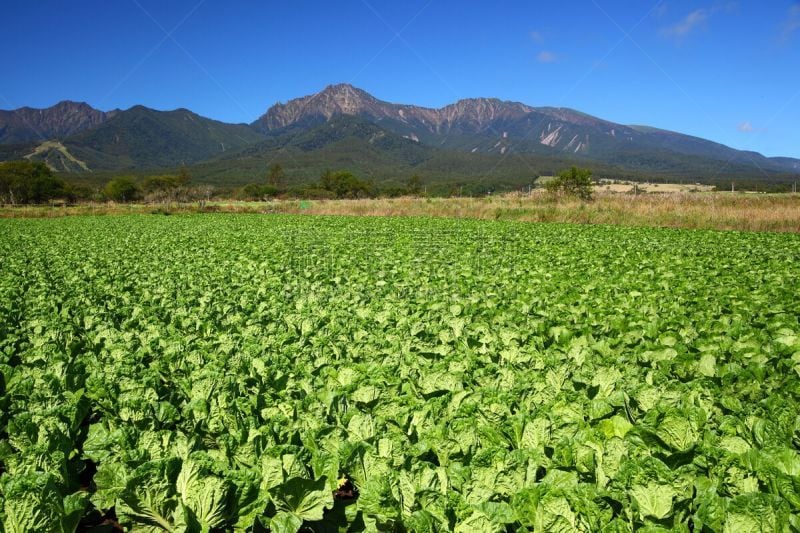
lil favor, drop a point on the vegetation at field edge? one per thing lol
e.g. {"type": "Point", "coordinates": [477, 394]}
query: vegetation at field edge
{"type": "Point", "coordinates": [723, 211]}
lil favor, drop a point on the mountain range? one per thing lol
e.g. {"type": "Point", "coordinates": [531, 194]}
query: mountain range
{"type": "Point", "coordinates": [480, 139]}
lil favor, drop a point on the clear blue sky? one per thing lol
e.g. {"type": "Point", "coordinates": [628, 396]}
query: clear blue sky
{"type": "Point", "coordinates": [723, 70]}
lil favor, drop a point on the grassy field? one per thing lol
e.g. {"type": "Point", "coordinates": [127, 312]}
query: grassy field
{"type": "Point", "coordinates": [719, 210]}
{"type": "Point", "coordinates": [637, 187]}
{"type": "Point", "coordinates": [223, 372]}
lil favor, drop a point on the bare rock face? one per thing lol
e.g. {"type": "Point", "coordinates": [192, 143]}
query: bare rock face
{"type": "Point", "coordinates": [479, 112]}
{"type": "Point", "coordinates": [72, 135]}
{"type": "Point", "coordinates": [57, 122]}
{"type": "Point", "coordinates": [344, 99]}
{"type": "Point", "coordinates": [333, 100]}
{"type": "Point", "coordinates": [487, 125]}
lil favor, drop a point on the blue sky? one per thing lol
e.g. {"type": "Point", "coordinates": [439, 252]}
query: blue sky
{"type": "Point", "coordinates": [723, 70]}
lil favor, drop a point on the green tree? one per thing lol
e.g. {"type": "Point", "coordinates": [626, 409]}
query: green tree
{"type": "Point", "coordinates": [121, 190]}
{"type": "Point", "coordinates": [344, 184]}
{"type": "Point", "coordinates": [165, 183]}
{"type": "Point", "coordinates": [78, 191]}
{"type": "Point", "coordinates": [414, 185]}
{"type": "Point", "coordinates": [168, 187]}
{"type": "Point", "coordinates": [276, 176]}
{"type": "Point", "coordinates": [573, 182]}
{"type": "Point", "coordinates": [29, 182]}
{"type": "Point", "coordinates": [183, 178]}
{"type": "Point", "coordinates": [258, 191]}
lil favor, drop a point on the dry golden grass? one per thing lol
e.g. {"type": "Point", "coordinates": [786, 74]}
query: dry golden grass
{"type": "Point", "coordinates": [652, 187]}
{"type": "Point", "coordinates": [724, 211]}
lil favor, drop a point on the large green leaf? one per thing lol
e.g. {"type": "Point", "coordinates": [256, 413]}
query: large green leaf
{"type": "Point", "coordinates": [303, 498]}
{"type": "Point", "coordinates": [653, 500]}
{"type": "Point", "coordinates": [32, 502]}
{"type": "Point", "coordinates": [204, 497]}
{"type": "Point", "coordinates": [285, 522]}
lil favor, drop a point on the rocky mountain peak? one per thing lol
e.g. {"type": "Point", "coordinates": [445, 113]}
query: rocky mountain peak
{"type": "Point", "coordinates": [344, 90]}
{"type": "Point", "coordinates": [339, 99]}
{"type": "Point", "coordinates": [344, 99]}
{"type": "Point", "coordinates": [60, 120]}
{"type": "Point", "coordinates": [70, 105]}
{"type": "Point", "coordinates": [484, 110]}
{"type": "Point", "coordinates": [345, 117]}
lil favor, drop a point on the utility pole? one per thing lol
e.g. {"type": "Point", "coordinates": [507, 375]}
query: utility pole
{"type": "Point", "coordinates": [733, 189]}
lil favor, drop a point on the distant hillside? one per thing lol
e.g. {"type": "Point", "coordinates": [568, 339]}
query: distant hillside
{"type": "Point", "coordinates": [62, 120]}
{"type": "Point", "coordinates": [483, 141]}
{"type": "Point", "coordinates": [142, 138]}
{"type": "Point", "coordinates": [364, 147]}
{"type": "Point", "coordinates": [493, 126]}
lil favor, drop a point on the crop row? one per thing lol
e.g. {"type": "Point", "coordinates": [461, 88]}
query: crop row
{"type": "Point", "coordinates": [244, 373]}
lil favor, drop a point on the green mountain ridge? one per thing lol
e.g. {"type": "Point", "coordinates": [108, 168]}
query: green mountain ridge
{"type": "Point", "coordinates": [374, 153]}
{"type": "Point", "coordinates": [495, 126]}
{"type": "Point", "coordinates": [142, 138]}
{"type": "Point", "coordinates": [478, 140]}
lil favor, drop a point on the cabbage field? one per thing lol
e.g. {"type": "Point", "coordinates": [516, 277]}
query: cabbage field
{"type": "Point", "coordinates": [249, 373]}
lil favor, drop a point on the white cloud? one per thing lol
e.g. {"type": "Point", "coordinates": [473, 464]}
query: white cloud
{"type": "Point", "coordinates": [696, 20]}
{"type": "Point", "coordinates": [746, 127]}
{"type": "Point", "coordinates": [689, 23]}
{"type": "Point", "coordinates": [792, 23]}
{"type": "Point", "coordinates": [537, 36]}
{"type": "Point", "coordinates": [546, 56]}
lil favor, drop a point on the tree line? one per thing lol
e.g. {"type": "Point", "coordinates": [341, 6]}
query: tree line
{"type": "Point", "coordinates": [338, 184]}
{"type": "Point", "coordinates": [30, 182]}
{"type": "Point", "coordinates": [331, 184]}
{"type": "Point", "coordinates": [33, 182]}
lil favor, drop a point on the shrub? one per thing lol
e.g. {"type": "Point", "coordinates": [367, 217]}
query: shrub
{"type": "Point", "coordinates": [345, 185]}
{"type": "Point", "coordinates": [575, 182]}
{"type": "Point", "coordinates": [29, 182]}
{"type": "Point", "coordinates": [121, 190]}
{"type": "Point", "coordinates": [258, 191]}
